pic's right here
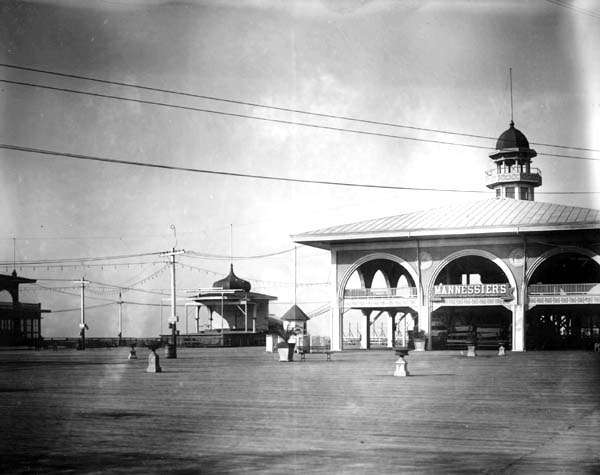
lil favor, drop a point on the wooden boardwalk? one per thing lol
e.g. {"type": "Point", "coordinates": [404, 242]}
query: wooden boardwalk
{"type": "Point", "coordinates": [238, 410]}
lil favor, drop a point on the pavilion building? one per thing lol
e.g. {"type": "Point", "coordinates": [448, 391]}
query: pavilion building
{"type": "Point", "coordinates": [20, 323]}
{"type": "Point", "coordinates": [507, 270]}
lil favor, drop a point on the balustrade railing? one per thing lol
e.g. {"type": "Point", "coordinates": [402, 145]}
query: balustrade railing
{"type": "Point", "coordinates": [564, 289]}
{"type": "Point", "coordinates": [403, 292]}
{"type": "Point", "coordinates": [513, 169]}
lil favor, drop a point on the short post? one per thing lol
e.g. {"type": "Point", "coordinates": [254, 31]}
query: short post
{"type": "Point", "coordinates": [401, 365]}
{"type": "Point", "coordinates": [153, 363]}
{"type": "Point", "coordinates": [471, 351]}
{"type": "Point", "coordinates": [132, 353]}
{"type": "Point", "coordinates": [501, 351]}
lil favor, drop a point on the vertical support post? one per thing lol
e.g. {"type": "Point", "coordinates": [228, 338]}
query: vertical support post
{"type": "Point", "coordinates": [173, 320]}
{"type": "Point", "coordinates": [82, 325]}
{"type": "Point", "coordinates": [295, 264]}
{"type": "Point", "coordinates": [197, 318]}
{"type": "Point", "coordinates": [518, 331]}
{"type": "Point", "coordinates": [172, 348]}
{"type": "Point", "coordinates": [254, 317]}
{"type": "Point", "coordinates": [519, 317]}
{"type": "Point", "coordinates": [120, 318]}
{"type": "Point", "coordinates": [424, 316]}
{"type": "Point", "coordinates": [246, 315]}
{"type": "Point", "coordinates": [336, 311]}
{"type": "Point", "coordinates": [365, 330]}
{"type": "Point", "coordinates": [391, 328]}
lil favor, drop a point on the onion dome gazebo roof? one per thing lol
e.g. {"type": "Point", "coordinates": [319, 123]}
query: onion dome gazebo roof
{"type": "Point", "coordinates": [233, 282]}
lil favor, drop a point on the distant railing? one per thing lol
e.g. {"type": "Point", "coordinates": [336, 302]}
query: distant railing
{"type": "Point", "coordinates": [21, 306]}
{"type": "Point", "coordinates": [564, 289]}
{"type": "Point", "coordinates": [403, 292]}
{"type": "Point", "coordinates": [514, 169]}
{"type": "Point", "coordinates": [504, 176]}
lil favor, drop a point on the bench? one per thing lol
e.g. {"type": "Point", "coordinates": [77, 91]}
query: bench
{"type": "Point", "coordinates": [314, 350]}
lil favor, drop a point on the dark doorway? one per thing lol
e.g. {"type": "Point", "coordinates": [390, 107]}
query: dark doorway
{"type": "Point", "coordinates": [562, 327]}
{"type": "Point", "coordinates": [454, 327]}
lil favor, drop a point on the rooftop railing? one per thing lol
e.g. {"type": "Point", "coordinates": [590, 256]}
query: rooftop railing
{"type": "Point", "coordinates": [564, 289]}
{"type": "Point", "coordinates": [20, 305]}
{"type": "Point", "coordinates": [402, 292]}
{"type": "Point", "coordinates": [513, 169]}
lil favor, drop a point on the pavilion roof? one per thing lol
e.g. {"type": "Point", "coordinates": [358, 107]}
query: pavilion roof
{"type": "Point", "coordinates": [295, 314]}
{"type": "Point", "coordinates": [14, 278]}
{"type": "Point", "coordinates": [490, 216]}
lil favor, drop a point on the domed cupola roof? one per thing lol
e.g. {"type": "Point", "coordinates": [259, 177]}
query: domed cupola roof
{"type": "Point", "coordinates": [512, 138]}
{"type": "Point", "coordinates": [233, 282]}
{"type": "Point", "coordinates": [512, 144]}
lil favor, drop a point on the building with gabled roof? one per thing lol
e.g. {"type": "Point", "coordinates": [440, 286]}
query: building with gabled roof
{"type": "Point", "coordinates": [504, 271]}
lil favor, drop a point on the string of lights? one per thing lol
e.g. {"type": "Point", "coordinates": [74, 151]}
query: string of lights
{"type": "Point", "coordinates": [80, 260]}
{"type": "Point", "coordinates": [202, 255]}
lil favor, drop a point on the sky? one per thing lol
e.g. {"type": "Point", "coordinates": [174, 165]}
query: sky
{"type": "Point", "coordinates": [433, 64]}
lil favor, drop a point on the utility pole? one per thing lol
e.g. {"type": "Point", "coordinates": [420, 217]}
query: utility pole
{"type": "Point", "coordinates": [120, 318]}
{"type": "Point", "coordinates": [82, 325]}
{"type": "Point", "coordinates": [172, 348]}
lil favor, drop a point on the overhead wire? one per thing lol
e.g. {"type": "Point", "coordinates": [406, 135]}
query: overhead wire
{"type": "Point", "coordinates": [52, 153]}
{"type": "Point", "coordinates": [271, 107]}
{"type": "Point", "coordinates": [202, 255]}
{"type": "Point", "coordinates": [43, 262]}
{"type": "Point", "coordinates": [569, 6]}
{"type": "Point", "coordinates": [278, 121]}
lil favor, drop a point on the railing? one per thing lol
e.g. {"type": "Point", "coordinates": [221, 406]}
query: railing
{"type": "Point", "coordinates": [403, 292]}
{"type": "Point", "coordinates": [20, 306]}
{"type": "Point", "coordinates": [564, 289]}
{"type": "Point", "coordinates": [514, 169]}
{"type": "Point", "coordinates": [504, 175]}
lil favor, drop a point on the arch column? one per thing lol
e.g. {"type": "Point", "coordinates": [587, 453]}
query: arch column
{"type": "Point", "coordinates": [518, 328]}
{"type": "Point", "coordinates": [365, 330]}
{"type": "Point", "coordinates": [424, 318]}
{"type": "Point", "coordinates": [336, 336]}
{"type": "Point", "coordinates": [391, 328]}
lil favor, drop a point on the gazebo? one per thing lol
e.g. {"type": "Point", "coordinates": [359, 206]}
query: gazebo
{"type": "Point", "coordinates": [245, 313]}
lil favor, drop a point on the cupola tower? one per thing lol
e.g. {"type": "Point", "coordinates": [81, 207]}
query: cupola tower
{"type": "Point", "coordinates": [513, 176]}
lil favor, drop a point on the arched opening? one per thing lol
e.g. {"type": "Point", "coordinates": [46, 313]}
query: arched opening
{"type": "Point", "coordinates": [370, 318]}
{"type": "Point", "coordinates": [468, 295]}
{"type": "Point", "coordinates": [563, 291]}
{"type": "Point", "coordinates": [379, 281]}
{"type": "Point", "coordinates": [5, 297]}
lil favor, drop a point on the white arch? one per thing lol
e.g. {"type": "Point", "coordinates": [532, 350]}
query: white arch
{"type": "Point", "coordinates": [560, 250]}
{"type": "Point", "coordinates": [472, 252]}
{"type": "Point", "coordinates": [372, 257]}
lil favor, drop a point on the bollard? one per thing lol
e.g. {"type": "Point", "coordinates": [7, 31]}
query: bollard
{"type": "Point", "coordinates": [471, 351]}
{"type": "Point", "coordinates": [132, 354]}
{"type": "Point", "coordinates": [153, 366]}
{"type": "Point", "coordinates": [401, 364]}
{"type": "Point", "coordinates": [501, 351]}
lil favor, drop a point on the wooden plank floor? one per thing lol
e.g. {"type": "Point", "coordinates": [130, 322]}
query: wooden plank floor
{"type": "Point", "coordinates": [238, 410]}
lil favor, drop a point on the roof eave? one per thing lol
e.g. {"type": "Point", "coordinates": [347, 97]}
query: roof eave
{"type": "Point", "coordinates": [320, 240]}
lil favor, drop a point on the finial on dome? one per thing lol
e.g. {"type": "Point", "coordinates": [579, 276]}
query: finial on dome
{"type": "Point", "coordinates": [233, 282]}
{"type": "Point", "coordinates": [512, 123]}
